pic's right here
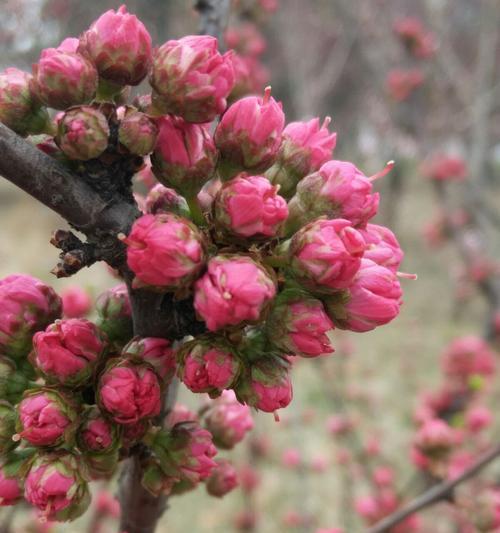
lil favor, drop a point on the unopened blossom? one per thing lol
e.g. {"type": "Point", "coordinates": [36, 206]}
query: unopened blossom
{"type": "Point", "coordinates": [443, 167]}
{"type": "Point", "coordinates": [478, 418]}
{"type": "Point", "coordinates": [435, 438]}
{"type": "Point", "coordinates": [96, 433]}
{"type": "Point", "coordinates": [62, 78]}
{"type": "Point", "coordinates": [300, 326]}
{"type": "Point", "coordinates": [325, 255]}
{"type": "Point", "coordinates": [19, 110]}
{"type": "Point", "coordinates": [246, 39]}
{"type": "Point", "coordinates": [115, 314]}
{"type": "Point", "coordinates": [129, 393]}
{"type": "Point", "coordinates": [401, 83]}
{"type": "Point", "coordinates": [184, 156]}
{"type": "Point", "coordinates": [222, 480]}
{"type": "Point", "coordinates": [250, 207]}
{"type": "Point", "coordinates": [267, 385]}
{"type": "Point", "coordinates": [382, 246]}
{"type": "Point", "coordinates": [55, 486]}
{"type": "Point", "coordinates": [305, 147]}
{"type": "Point", "coordinates": [68, 351]}
{"type": "Point", "coordinates": [337, 190]}
{"type": "Point", "coordinates": [46, 418]}
{"type": "Point", "coordinates": [228, 421]}
{"type": "Point", "coordinates": [83, 133]}
{"type": "Point", "coordinates": [466, 357]}
{"type": "Point", "coordinates": [249, 134]}
{"type": "Point", "coordinates": [11, 488]}
{"type": "Point", "coordinates": [137, 132]}
{"type": "Point", "coordinates": [155, 351]}
{"type": "Point", "coordinates": [373, 299]}
{"type": "Point", "coordinates": [76, 302]}
{"type": "Point", "coordinates": [161, 199]}
{"type": "Point", "coordinates": [208, 367]}
{"type": "Point", "coordinates": [234, 290]}
{"type": "Point", "coordinates": [165, 251]}
{"type": "Point", "coordinates": [119, 45]}
{"type": "Point", "coordinates": [291, 458]}
{"type": "Point", "coordinates": [27, 305]}
{"type": "Point", "coordinates": [191, 78]}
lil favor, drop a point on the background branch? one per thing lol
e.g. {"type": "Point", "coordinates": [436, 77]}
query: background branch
{"type": "Point", "coordinates": [436, 494]}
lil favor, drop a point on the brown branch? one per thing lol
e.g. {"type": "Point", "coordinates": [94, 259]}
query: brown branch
{"type": "Point", "coordinates": [67, 194]}
{"type": "Point", "coordinates": [213, 17]}
{"type": "Point", "coordinates": [436, 494]}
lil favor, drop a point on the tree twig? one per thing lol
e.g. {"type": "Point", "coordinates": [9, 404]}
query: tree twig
{"type": "Point", "coordinates": [435, 494]}
{"type": "Point", "coordinates": [213, 17]}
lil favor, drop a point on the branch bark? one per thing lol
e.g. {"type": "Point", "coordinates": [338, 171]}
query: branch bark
{"type": "Point", "coordinates": [436, 494]}
{"type": "Point", "coordinates": [213, 17]}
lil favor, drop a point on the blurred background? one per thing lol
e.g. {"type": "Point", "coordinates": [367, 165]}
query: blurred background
{"type": "Point", "coordinates": [415, 81]}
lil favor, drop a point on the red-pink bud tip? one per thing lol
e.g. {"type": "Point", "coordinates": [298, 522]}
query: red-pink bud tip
{"type": "Point", "coordinates": [267, 94]}
{"type": "Point", "coordinates": [388, 167]}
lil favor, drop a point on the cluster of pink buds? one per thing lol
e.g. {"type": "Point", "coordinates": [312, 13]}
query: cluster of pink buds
{"type": "Point", "coordinates": [417, 39]}
{"type": "Point", "coordinates": [448, 418]}
{"type": "Point", "coordinates": [253, 229]}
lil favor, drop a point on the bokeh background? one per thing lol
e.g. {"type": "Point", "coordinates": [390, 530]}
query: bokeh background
{"type": "Point", "coordinates": [344, 59]}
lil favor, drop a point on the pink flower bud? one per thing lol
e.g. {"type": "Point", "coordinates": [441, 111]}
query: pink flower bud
{"type": "Point", "coordinates": [383, 247]}
{"type": "Point", "coordinates": [76, 302]}
{"type": "Point", "coordinates": [56, 488]}
{"type": "Point", "coordinates": [234, 290]}
{"type": "Point", "coordinates": [107, 505]}
{"type": "Point", "coordinates": [467, 357]}
{"type": "Point", "coordinates": [222, 480]}
{"type": "Point", "coordinates": [373, 299]}
{"type": "Point", "coordinates": [383, 476]}
{"type": "Point", "coordinates": [401, 83]}
{"type": "Point", "coordinates": [184, 157]}
{"type": "Point", "coordinates": [246, 39]}
{"type": "Point", "coordinates": [442, 167]}
{"type": "Point", "coordinates": [339, 424]}
{"type": "Point", "coordinates": [26, 305]}
{"type": "Point", "coordinates": [180, 413]}
{"type": "Point", "coordinates": [435, 438]}
{"type": "Point", "coordinates": [207, 366]}
{"type": "Point", "coordinates": [478, 418]}
{"type": "Point", "coordinates": [228, 421]}
{"type": "Point", "coordinates": [325, 255]}
{"type": "Point", "coordinates": [191, 78]}
{"type": "Point", "coordinates": [250, 75]}
{"type": "Point", "coordinates": [304, 148]}
{"type": "Point", "coordinates": [249, 206]}
{"type": "Point", "coordinates": [418, 41]}
{"type": "Point", "coordinates": [18, 109]}
{"type": "Point", "coordinates": [46, 418]}
{"type": "Point", "coordinates": [62, 79]}
{"type": "Point", "coordinates": [157, 352]}
{"type": "Point", "coordinates": [161, 199]}
{"type": "Point", "coordinates": [96, 434]}
{"type": "Point", "coordinates": [68, 351]}
{"type": "Point", "coordinates": [129, 393]}
{"type": "Point", "coordinates": [249, 134]}
{"type": "Point", "coordinates": [115, 314]}
{"type": "Point", "coordinates": [137, 132]}
{"type": "Point", "coordinates": [10, 488]}
{"type": "Point", "coordinates": [300, 326]}
{"type": "Point", "coordinates": [291, 458]}
{"type": "Point", "coordinates": [70, 44]}
{"type": "Point", "coordinates": [267, 385]}
{"type": "Point", "coordinates": [165, 251]}
{"type": "Point", "coordinates": [120, 47]}
{"type": "Point", "coordinates": [83, 133]}
{"type": "Point", "coordinates": [338, 190]}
